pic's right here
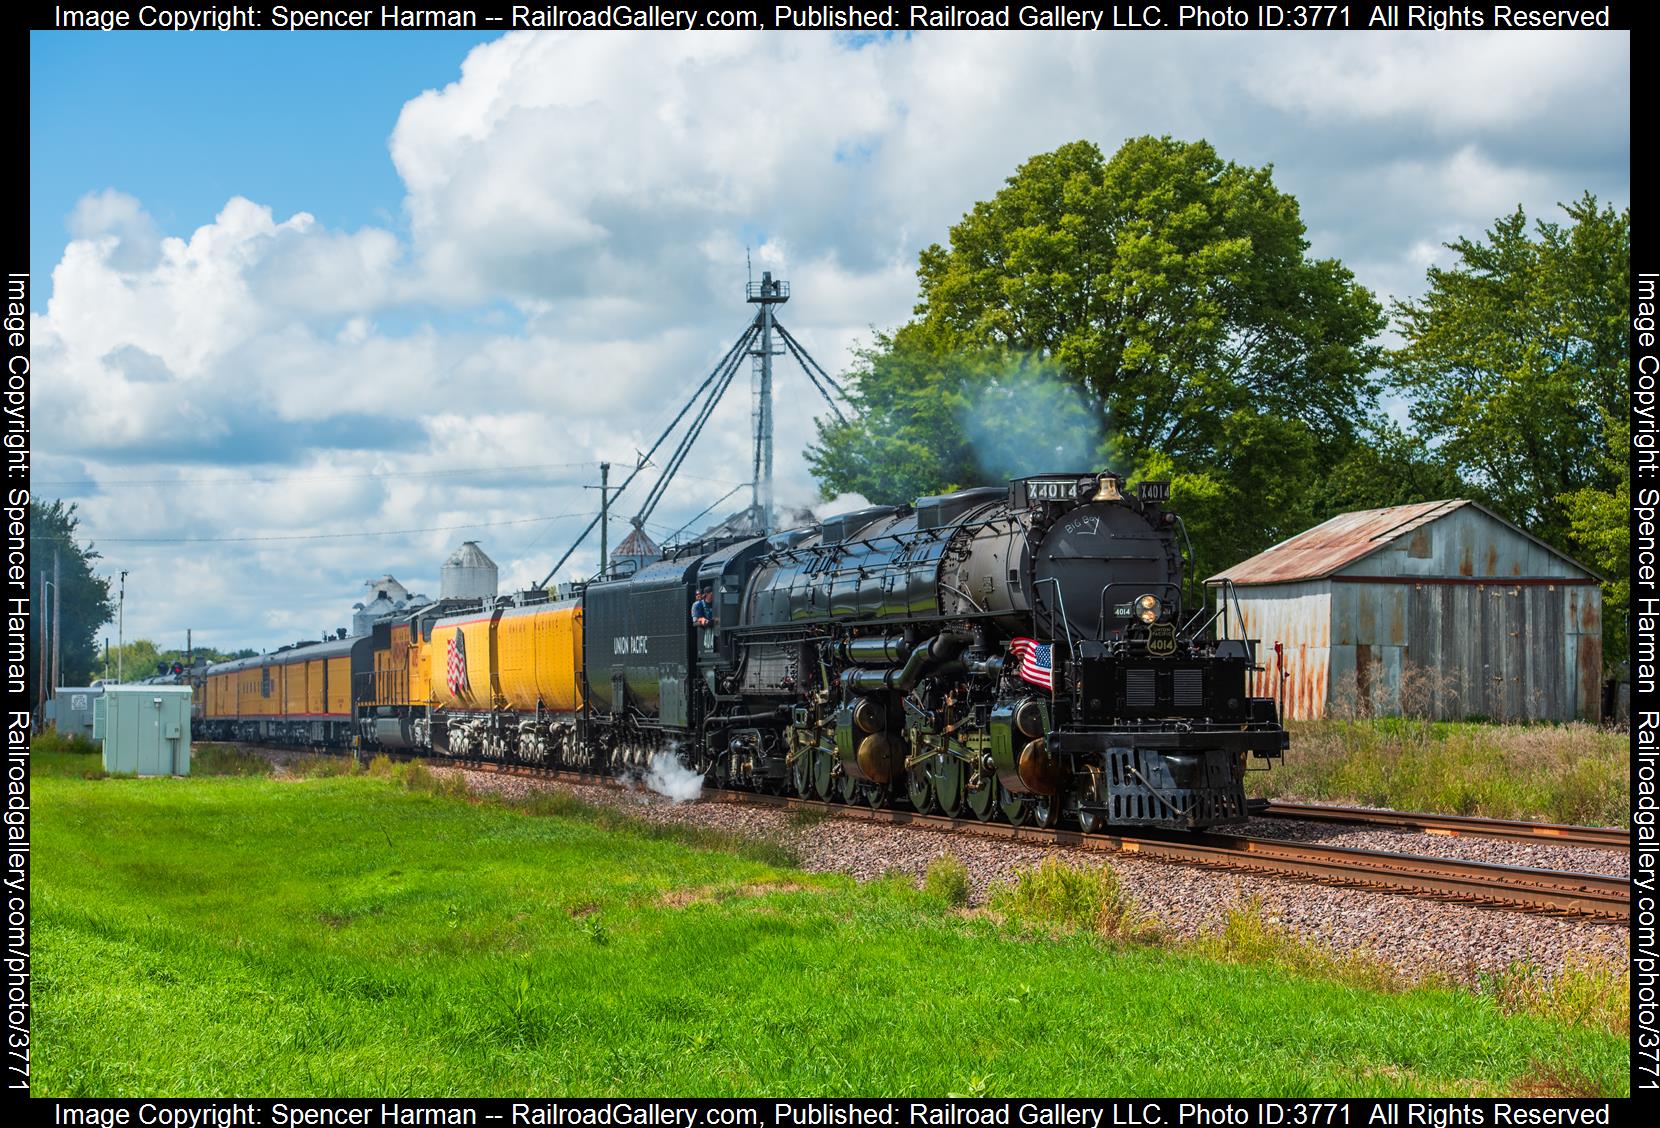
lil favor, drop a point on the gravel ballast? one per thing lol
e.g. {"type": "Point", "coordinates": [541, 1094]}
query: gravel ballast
{"type": "Point", "coordinates": [1412, 935]}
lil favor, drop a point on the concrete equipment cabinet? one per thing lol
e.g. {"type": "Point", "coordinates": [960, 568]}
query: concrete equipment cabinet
{"type": "Point", "coordinates": [145, 729]}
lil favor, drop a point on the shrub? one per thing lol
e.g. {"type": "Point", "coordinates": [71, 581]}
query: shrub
{"type": "Point", "coordinates": [1059, 897]}
{"type": "Point", "coordinates": [324, 766]}
{"type": "Point", "coordinates": [1588, 991]}
{"type": "Point", "coordinates": [219, 760]}
{"type": "Point", "coordinates": [415, 776]}
{"type": "Point", "coordinates": [1249, 937]}
{"type": "Point", "coordinates": [1560, 773]}
{"type": "Point", "coordinates": [947, 879]}
{"type": "Point", "coordinates": [51, 740]}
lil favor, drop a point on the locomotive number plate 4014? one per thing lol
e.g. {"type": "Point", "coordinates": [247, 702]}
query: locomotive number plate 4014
{"type": "Point", "coordinates": [1052, 489]}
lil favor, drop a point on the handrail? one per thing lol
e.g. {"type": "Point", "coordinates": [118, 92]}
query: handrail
{"type": "Point", "coordinates": [1066, 624]}
{"type": "Point", "coordinates": [1229, 597]}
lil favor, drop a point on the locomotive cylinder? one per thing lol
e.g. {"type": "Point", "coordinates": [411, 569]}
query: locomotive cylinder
{"type": "Point", "coordinates": [1020, 751]}
{"type": "Point", "coordinates": [1028, 718]}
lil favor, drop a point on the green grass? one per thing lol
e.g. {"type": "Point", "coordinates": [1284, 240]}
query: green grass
{"type": "Point", "coordinates": [947, 879]}
{"type": "Point", "coordinates": [59, 743]}
{"type": "Point", "coordinates": [368, 934]}
{"type": "Point", "coordinates": [1058, 897]}
{"type": "Point", "coordinates": [223, 760]}
{"type": "Point", "coordinates": [1555, 773]}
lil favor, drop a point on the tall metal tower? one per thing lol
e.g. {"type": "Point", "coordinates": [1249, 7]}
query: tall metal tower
{"type": "Point", "coordinates": [762, 339]}
{"type": "Point", "coordinates": [766, 293]}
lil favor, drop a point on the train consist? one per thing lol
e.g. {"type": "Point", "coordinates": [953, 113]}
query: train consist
{"type": "Point", "coordinates": [1018, 654]}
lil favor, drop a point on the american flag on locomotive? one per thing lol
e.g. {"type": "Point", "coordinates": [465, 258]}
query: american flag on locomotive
{"type": "Point", "coordinates": [455, 675]}
{"type": "Point", "coordinates": [1037, 661]}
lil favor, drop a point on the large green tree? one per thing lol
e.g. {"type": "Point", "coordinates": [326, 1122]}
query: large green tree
{"type": "Point", "coordinates": [1517, 355]}
{"type": "Point", "coordinates": [1171, 285]}
{"type": "Point", "coordinates": [141, 658]}
{"type": "Point", "coordinates": [1600, 524]}
{"type": "Point", "coordinates": [1158, 310]}
{"type": "Point", "coordinates": [83, 598]}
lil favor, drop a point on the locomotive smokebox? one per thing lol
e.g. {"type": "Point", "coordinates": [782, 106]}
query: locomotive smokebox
{"type": "Point", "coordinates": [1094, 558]}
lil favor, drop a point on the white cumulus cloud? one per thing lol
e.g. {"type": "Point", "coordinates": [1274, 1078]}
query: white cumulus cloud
{"type": "Point", "coordinates": [579, 210]}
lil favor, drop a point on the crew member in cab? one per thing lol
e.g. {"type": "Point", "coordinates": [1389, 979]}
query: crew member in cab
{"type": "Point", "coordinates": [703, 608]}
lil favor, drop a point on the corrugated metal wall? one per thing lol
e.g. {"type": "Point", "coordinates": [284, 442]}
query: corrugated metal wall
{"type": "Point", "coordinates": [1298, 617]}
{"type": "Point", "coordinates": [1464, 543]}
{"type": "Point", "coordinates": [1439, 631]}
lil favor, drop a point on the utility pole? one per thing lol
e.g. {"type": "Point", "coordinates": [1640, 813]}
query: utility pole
{"type": "Point", "coordinates": [189, 649]}
{"type": "Point", "coordinates": [605, 492]}
{"type": "Point", "coordinates": [604, 514]}
{"type": "Point", "coordinates": [45, 619]}
{"type": "Point", "coordinates": [120, 627]}
{"type": "Point", "coordinates": [57, 630]}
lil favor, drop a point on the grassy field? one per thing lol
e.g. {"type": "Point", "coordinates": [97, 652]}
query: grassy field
{"type": "Point", "coordinates": [1557, 773]}
{"type": "Point", "coordinates": [380, 935]}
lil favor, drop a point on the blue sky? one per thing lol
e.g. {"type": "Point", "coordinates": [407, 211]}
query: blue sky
{"type": "Point", "coordinates": [324, 285]}
{"type": "Point", "coordinates": [184, 122]}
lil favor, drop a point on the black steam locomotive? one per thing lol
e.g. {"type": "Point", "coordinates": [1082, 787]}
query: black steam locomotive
{"type": "Point", "coordinates": [1017, 653]}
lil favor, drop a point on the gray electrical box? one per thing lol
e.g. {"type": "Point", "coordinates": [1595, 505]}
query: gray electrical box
{"type": "Point", "coordinates": [145, 729]}
{"type": "Point", "coordinates": [70, 710]}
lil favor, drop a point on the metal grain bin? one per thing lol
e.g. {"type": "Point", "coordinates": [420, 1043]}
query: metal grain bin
{"type": "Point", "coordinates": [467, 574]}
{"type": "Point", "coordinates": [145, 729]}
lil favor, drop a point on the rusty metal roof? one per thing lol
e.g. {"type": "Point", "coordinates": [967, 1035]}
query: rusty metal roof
{"type": "Point", "coordinates": [1324, 549]}
{"type": "Point", "coordinates": [637, 543]}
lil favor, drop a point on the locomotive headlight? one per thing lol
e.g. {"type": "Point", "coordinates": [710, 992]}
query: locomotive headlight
{"type": "Point", "coordinates": [1148, 608]}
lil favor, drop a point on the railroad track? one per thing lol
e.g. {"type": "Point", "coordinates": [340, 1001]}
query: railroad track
{"type": "Point", "coordinates": [1509, 830]}
{"type": "Point", "coordinates": [1557, 892]}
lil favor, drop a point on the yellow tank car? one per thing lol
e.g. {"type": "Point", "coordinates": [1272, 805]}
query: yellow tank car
{"type": "Point", "coordinates": [462, 662]}
{"type": "Point", "coordinates": [505, 682]}
{"type": "Point", "coordinates": [539, 648]}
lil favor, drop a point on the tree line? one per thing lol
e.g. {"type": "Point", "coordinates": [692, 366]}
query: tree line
{"type": "Point", "coordinates": [84, 604]}
{"type": "Point", "coordinates": [1159, 312]}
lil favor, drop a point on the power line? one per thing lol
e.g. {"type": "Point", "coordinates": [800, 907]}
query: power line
{"type": "Point", "coordinates": [320, 477]}
{"type": "Point", "coordinates": [741, 343]}
{"type": "Point", "coordinates": [334, 536]}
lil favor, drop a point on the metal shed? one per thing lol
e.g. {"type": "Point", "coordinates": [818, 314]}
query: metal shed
{"type": "Point", "coordinates": [69, 709]}
{"type": "Point", "coordinates": [145, 728]}
{"type": "Point", "coordinates": [1442, 608]}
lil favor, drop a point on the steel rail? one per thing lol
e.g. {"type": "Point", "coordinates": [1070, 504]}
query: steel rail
{"type": "Point", "coordinates": [1560, 892]}
{"type": "Point", "coordinates": [1470, 826]}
